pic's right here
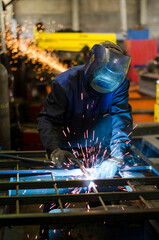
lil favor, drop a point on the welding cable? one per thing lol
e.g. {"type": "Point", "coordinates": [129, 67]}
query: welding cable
{"type": "Point", "coordinates": [46, 162]}
{"type": "Point", "coordinates": [28, 160]}
{"type": "Point", "coordinates": [43, 162]}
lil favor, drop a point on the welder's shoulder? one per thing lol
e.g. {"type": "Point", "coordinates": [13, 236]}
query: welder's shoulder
{"type": "Point", "coordinates": [70, 76]}
{"type": "Point", "coordinates": [123, 87]}
{"type": "Point", "coordinates": [125, 83]}
{"type": "Point", "coordinates": [121, 94]}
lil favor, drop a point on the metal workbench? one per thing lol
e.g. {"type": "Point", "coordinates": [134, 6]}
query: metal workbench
{"type": "Point", "coordinates": [133, 195]}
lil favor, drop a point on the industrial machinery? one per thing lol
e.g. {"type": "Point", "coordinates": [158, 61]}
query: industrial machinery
{"type": "Point", "coordinates": [148, 85]}
{"type": "Point", "coordinates": [156, 110]}
{"type": "Point", "coordinates": [142, 104]}
{"type": "Point", "coordinates": [127, 205]}
{"type": "Point", "coordinates": [70, 41]}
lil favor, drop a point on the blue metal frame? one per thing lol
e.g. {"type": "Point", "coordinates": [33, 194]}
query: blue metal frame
{"type": "Point", "coordinates": [57, 186]}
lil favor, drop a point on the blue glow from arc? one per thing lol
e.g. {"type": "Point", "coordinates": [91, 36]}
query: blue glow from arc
{"type": "Point", "coordinates": [105, 80]}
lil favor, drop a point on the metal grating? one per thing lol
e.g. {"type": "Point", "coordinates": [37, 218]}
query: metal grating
{"type": "Point", "coordinates": [121, 198]}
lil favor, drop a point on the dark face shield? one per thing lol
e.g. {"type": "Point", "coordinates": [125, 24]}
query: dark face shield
{"type": "Point", "coordinates": [110, 75]}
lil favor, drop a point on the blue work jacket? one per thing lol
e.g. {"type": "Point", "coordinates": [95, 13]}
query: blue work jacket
{"type": "Point", "coordinates": [75, 116]}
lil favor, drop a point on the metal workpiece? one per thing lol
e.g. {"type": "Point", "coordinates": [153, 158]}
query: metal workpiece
{"type": "Point", "coordinates": [148, 145]}
{"type": "Point", "coordinates": [73, 197]}
{"type": "Point", "coordinates": [72, 218]}
{"type": "Point", "coordinates": [81, 197]}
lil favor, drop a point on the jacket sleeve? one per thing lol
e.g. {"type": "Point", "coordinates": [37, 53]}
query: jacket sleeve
{"type": "Point", "coordinates": [120, 112]}
{"type": "Point", "coordinates": [51, 118]}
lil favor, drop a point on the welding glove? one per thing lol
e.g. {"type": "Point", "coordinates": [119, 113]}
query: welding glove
{"type": "Point", "coordinates": [107, 169]}
{"type": "Point", "coordinates": [129, 160]}
{"type": "Point", "coordinates": [62, 158]}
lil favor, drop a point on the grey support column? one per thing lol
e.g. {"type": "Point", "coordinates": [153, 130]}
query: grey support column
{"type": "Point", "coordinates": [75, 15]}
{"type": "Point", "coordinates": [123, 14]}
{"type": "Point", "coordinates": [143, 12]}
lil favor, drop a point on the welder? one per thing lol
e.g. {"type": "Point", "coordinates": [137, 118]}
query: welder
{"type": "Point", "coordinates": [88, 106]}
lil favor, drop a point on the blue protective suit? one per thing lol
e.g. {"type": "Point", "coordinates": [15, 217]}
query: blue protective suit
{"type": "Point", "coordinates": [74, 115]}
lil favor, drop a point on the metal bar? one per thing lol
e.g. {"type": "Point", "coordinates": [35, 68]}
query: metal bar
{"type": "Point", "coordinates": [17, 191]}
{"type": "Point", "coordinates": [78, 183]}
{"type": "Point", "coordinates": [71, 218]}
{"type": "Point", "coordinates": [56, 190]}
{"type": "Point", "coordinates": [28, 154]}
{"type": "Point", "coordinates": [100, 199]}
{"type": "Point", "coordinates": [151, 165]}
{"type": "Point", "coordinates": [81, 197]}
{"type": "Point", "coordinates": [140, 196]}
{"type": "Point", "coordinates": [152, 141]}
{"type": "Point", "coordinates": [23, 172]}
{"type": "Point", "coordinates": [27, 160]}
{"type": "Point", "coordinates": [154, 223]}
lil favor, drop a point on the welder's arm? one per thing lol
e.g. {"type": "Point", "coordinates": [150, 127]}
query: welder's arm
{"type": "Point", "coordinates": [48, 133]}
{"type": "Point", "coordinates": [51, 118]}
{"type": "Point", "coordinates": [107, 169]}
{"type": "Point", "coordinates": [120, 112]}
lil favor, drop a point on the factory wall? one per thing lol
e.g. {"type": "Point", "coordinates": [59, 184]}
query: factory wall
{"type": "Point", "coordinates": [104, 15]}
{"type": "Point", "coordinates": [100, 16]}
{"type": "Point", "coordinates": [133, 13]}
{"type": "Point", "coordinates": [153, 18]}
{"type": "Point", "coordinates": [53, 13]}
{"type": "Point", "coordinates": [94, 16]}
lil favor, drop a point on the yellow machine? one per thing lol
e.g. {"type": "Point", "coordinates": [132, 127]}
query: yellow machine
{"type": "Point", "coordinates": [156, 110]}
{"type": "Point", "coordinates": [70, 41]}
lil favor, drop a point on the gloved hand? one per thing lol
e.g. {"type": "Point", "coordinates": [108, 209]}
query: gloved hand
{"type": "Point", "coordinates": [107, 169]}
{"type": "Point", "coordinates": [62, 158]}
{"type": "Point", "coordinates": [129, 160]}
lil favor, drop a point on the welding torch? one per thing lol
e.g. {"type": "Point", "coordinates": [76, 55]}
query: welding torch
{"type": "Point", "coordinates": [42, 162]}
{"type": "Point", "coordinates": [27, 160]}
{"type": "Point", "coordinates": [83, 169]}
{"type": "Point", "coordinates": [47, 162]}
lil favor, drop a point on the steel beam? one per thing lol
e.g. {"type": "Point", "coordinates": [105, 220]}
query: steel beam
{"type": "Point", "coordinates": [82, 197]}
{"type": "Point", "coordinates": [78, 183]}
{"type": "Point", "coordinates": [72, 218]}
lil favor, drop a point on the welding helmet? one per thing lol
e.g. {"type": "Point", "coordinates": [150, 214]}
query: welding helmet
{"type": "Point", "coordinates": [106, 67]}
